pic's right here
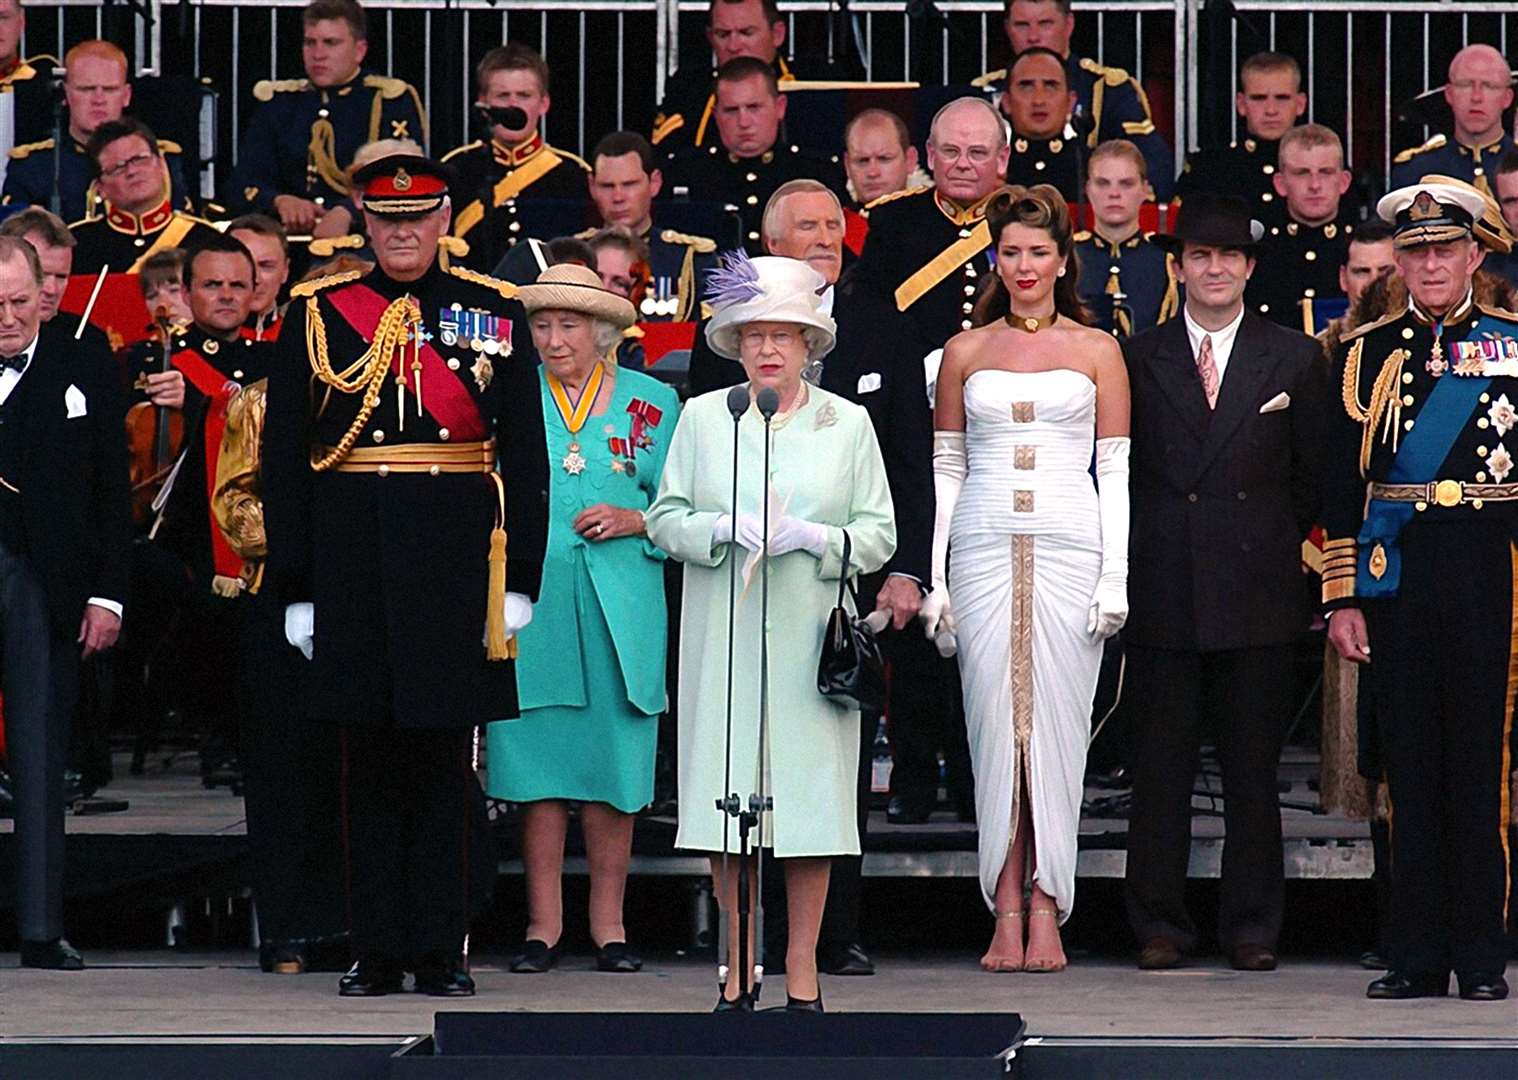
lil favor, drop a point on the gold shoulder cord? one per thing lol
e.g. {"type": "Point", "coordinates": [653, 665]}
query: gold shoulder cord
{"type": "Point", "coordinates": [1383, 401]}
{"type": "Point", "coordinates": [367, 373]}
{"type": "Point", "coordinates": [1351, 388]}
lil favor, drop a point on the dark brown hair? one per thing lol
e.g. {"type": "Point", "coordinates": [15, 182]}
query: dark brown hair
{"type": "Point", "coordinates": [513, 56]}
{"type": "Point", "coordinates": [346, 10]}
{"type": "Point", "coordinates": [1041, 207]}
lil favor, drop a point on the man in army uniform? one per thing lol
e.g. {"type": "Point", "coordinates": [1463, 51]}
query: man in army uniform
{"type": "Point", "coordinates": [1296, 282]}
{"type": "Point", "coordinates": [97, 91]}
{"type": "Point", "coordinates": [1109, 101]}
{"type": "Point", "coordinates": [137, 218]}
{"type": "Point", "coordinates": [266, 241]}
{"type": "Point", "coordinates": [735, 28]}
{"type": "Point", "coordinates": [748, 162]}
{"type": "Point", "coordinates": [1424, 572]}
{"type": "Point", "coordinates": [1270, 101]}
{"type": "Point", "coordinates": [26, 87]}
{"type": "Point", "coordinates": [295, 154]}
{"type": "Point", "coordinates": [511, 95]}
{"type": "Point", "coordinates": [1038, 103]}
{"type": "Point", "coordinates": [390, 496]}
{"type": "Point", "coordinates": [879, 160]}
{"type": "Point", "coordinates": [1126, 279]}
{"type": "Point", "coordinates": [1479, 92]}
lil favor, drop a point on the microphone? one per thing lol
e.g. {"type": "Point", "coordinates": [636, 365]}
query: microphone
{"type": "Point", "coordinates": [768, 401]}
{"type": "Point", "coordinates": [737, 404]}
{"type": "Point", "coordinates": [508, 116]}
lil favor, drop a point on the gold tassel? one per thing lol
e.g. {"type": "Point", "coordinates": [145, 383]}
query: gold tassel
{"type": "Point", "coordinates": [497, 645]}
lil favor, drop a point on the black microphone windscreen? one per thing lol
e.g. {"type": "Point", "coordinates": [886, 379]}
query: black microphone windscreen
{"type": "Point", "coordinates": [508, 116]}
{"type": "Point", "coordinates": [768, 401]}
{"type": "Point", "coordinates": [737, 400]}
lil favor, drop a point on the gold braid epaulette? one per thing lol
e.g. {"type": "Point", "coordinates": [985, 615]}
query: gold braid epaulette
{"type": "Point", "coordinates": [395, 327]}
{"type": "Point", "coordinates": [1383, 397]}
{"type": "Point", "coordinates": [1351, 389]}
{"type": "Point", "coordinates": [316, 285]}
{"type": "Point", "coordinates": [505, 288]}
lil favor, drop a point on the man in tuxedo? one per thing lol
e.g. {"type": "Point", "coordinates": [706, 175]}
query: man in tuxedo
{"type": "Point", "coordinates": [65, 531]}
{"type": "Point", "coordinates": [1228, 414]}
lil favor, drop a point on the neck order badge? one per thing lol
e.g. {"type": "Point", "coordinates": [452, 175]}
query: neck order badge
{"type": "Point", "coordinates": [574, 416]}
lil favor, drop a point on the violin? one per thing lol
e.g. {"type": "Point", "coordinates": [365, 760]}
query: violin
{"type": "Point", "coordinates": [155, 433]}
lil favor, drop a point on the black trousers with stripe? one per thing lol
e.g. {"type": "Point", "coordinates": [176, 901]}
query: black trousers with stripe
{"type": "Point", "coordinates": [1445, 671]}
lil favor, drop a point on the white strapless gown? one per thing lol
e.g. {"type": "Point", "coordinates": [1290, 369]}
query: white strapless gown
{"type": "Point", "coordinates": [1025, 557]}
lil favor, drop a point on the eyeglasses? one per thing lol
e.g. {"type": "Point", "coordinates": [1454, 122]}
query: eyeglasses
{"type": "Point", "coordinates": [130, 163]}
{"type": "Point", "coordinates": [977, 155]}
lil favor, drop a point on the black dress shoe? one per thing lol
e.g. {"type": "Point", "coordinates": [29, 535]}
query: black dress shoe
{"type": "Point", "coordinates": [1371, 960]}
{"type": "Point", "coordinates": [1483, 986]}
{"type": "Point", "coordinates": [845, 960]}
{"type": "Point", "coordinates": [1252, 957]}
{"type": "Point", "coordinates": [795, 1004]}
{"type": "Point", "coordinates": [904, 811]}
{"type": "Point", "coordinates": [614, 957]}
{"type": "Point", "coordinates": [742, 1003]}
{"type": "Point", "coordinates": [1158, 954]}
{"type": "Point", "coordinates": [55, 955]}
{"type": "Point", "coordinates": [443, 977]}
{"type": "Point", "coordinates": [372, 978]}
{"type": "Point", "coordinates": [535, 958]}
{"type": "Point", "coordinates": [1397, 986]}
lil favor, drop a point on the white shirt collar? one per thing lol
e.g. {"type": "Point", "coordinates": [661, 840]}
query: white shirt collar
{"type": "Point", "coordinates": [1222, 340]}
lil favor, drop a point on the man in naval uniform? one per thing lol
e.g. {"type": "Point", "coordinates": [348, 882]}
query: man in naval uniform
{"type": "Point", "coordinates": [1270, 101]}
{"type": "Point", "coordinates": [511, 96]}
{"type": "Point", "coordinates": [1127, 281]}
{"type": "Point", "coordinates": [1038, 103]}
{"type": "Point", "coordinates": [1296, 281]}
{"type": "Point", "coordinates": [295, 154]}
{"type": "Point", "coordinates": [405, 504]}
{"type": "Point", "coordinates": [745, 166]}
{"type": "Point", "coordinates": [1479, 92]}
{"type": "Point", "coordinates": [1109, 101]}
{"type": "Point", "coordinates": [1419, 577]}
{"type": "Point", "coordinates": [137, 218]}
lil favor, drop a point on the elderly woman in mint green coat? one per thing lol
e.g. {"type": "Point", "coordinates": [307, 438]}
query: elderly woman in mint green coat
{"type": "Point", "coordinates": [826, 477]}
{"type": "Point", "coordinates": [590, 673]}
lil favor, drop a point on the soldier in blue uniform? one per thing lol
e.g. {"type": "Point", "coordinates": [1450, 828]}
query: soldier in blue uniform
{"type": "Point", "coordinates": [1270, 101]}
{"type": "Point", "coordinates": [1420, 577]}
{"type": "Point", "coordinates": [295, 154]}
{"type": "Point", "coordinates": [1038, 103]}
{"type": "Point", "coordinates": [97, 92]}
{"type": "Point", "coordinates": [26, 84]}
{"type": "Point", "coordinates": [1479, 92]}
{"type": "Point", "coordinates": [1127, 281]}
{"type": "Point", "coordinates": [492, 177]}
{"type": "Point", "coordinates": [1109, 102]}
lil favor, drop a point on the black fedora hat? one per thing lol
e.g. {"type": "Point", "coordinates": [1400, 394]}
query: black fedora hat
{"type": "Point", "coordinates": [1212, 220]}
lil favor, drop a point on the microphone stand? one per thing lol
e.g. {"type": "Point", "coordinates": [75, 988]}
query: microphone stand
{"type": "Point", "coordinates": [60, 106]}
{"type": "Point", "coordinates": [728, 805]}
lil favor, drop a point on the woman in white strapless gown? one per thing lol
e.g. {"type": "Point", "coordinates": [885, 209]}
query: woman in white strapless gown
{"type": "Point", "coordinates": [1038, 575]}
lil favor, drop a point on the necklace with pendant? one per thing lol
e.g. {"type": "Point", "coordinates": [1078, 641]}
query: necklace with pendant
{"type": "Point", "coordinates": [574, 415]}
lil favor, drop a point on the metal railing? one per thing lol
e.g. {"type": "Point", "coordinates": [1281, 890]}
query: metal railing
{"type": "Point", "coordinates": [611, 57]}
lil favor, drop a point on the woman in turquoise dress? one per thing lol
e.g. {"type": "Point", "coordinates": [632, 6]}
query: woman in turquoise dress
{"type": "Point", "coordinates": [590, 669]}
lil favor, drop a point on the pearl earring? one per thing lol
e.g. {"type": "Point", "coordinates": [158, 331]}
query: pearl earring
{"type": "Point", "coordinates": [1061, 272]}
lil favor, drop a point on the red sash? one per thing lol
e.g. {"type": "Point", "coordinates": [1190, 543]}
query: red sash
{"type": "Point", "coordinates": [444, 395]}
{"type": "Point", "coordinates": [218, 391]}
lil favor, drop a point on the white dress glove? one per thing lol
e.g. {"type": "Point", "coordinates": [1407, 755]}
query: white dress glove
{"type": "Point", "coordinates": [1109, 604]}
{"type": "Point", "coordinates": [787, 534]}
{"type": "Point", "coordinates": [722, 531]}
{"type": "Point", "coordinates": [950, 465]}
{"type": "Point", "coordinates": [518, 613]}
{"type": "Point", "coordinates": [300, 626]}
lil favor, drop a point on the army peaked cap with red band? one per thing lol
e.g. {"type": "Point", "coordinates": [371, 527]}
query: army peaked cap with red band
{"type": "Point", "coordinates": [402, 185]}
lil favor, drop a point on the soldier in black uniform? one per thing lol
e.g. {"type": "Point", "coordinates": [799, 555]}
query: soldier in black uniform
{"type": "Point", "coordinates": [748, 163]}
{"type": "Point", "coordinates": [295, 154]}
{"type": "Point", "coordinates": [1127, 281]}
{"type": "Point", "coordinates": [1420, 579]}
{"type": "Point", "coordinates": [97, 92]}
{"type": "Point", "coordinates": [26, 84]}
{"type": "Point", "coordinates": [1296, 278]}
{"type": "Point", "coordinates": [1479, 93]}
{"type": "Point", "coordinates": [1038, 103]}
{"type": "Point", "coordinates": [494, 175]}
{"type": "Point", "coordinates": [1109, 102]}
{"type": "Point", "coordinates": [1270, 101]}
{"type": "Point", "coordinates": [405, 503]}
{"type": "Point", "coordinates": [137, 218]}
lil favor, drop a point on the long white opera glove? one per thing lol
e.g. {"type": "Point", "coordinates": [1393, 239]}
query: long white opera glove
{"type": "Point", "coordinates": [1109, 604]}
{"type": "Point", "coordinates": [787, 534]}
{"type": "Point", "coordinates": [518, 612]}
{"type": "Point", "coordinates": [300, 626]}
{"type": "Point", "coordinates": [949, 468]}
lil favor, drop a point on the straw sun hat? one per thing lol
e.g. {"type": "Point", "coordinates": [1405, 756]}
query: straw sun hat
{"type": "Point", "coordinates": [569, 287]}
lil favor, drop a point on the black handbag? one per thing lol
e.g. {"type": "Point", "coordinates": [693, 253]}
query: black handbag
{"type": "Point", "coordinates": [852, 670]}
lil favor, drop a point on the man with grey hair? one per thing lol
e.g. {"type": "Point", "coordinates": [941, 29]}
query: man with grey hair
{"type": "Point", "coordinates": [1479, 93]}
{"type": "Point", "coordinates": [65, 538]}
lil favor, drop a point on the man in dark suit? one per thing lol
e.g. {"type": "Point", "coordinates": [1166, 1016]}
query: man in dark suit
{"type": "Point", "coordinates": [65, 531]}
{"type": "Point", "coordinates": [1228, 412]}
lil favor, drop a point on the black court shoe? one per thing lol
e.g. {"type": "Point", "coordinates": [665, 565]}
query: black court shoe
{"type": "Point", "coordinates": [1483, 986]}
{"type": "Point", "coordinates": [372, 978]}
{"type": "Point", "coordinates": [535, 958]}
{"type": "Point", "coordinates": [793, 1004]}
{"type": "Point", "coordinates": [614, 957]}
{"type": "Point", "coordinates": [1396, 986]}
{"type": "Point", "coordinates": [743, 1003]}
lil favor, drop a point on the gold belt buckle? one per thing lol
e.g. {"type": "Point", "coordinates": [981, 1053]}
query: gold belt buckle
{"type": "Point", "coordinates": [1448, 493]}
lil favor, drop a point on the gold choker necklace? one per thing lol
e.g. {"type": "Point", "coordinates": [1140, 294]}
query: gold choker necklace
{"type": "Point", "coordinates": [1031, 324]}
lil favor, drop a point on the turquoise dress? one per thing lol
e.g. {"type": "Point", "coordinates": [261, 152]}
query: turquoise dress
{"type": "Point", "coordinates": [590, 671]}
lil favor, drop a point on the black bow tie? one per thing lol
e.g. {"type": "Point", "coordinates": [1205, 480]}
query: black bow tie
{"type": "Point", "coordinates": [15, 363]}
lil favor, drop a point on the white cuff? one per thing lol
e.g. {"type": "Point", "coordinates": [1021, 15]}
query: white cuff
{"type": "Point", "coordinates": [113, 606]}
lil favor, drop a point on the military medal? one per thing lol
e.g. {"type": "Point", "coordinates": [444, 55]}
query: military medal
{"type": "Point", "coordinates": [574, 416]}
{"type": "Point", "coordinates": [1436, 365]}
{"type": "Point", "coordinates": [622, 452]}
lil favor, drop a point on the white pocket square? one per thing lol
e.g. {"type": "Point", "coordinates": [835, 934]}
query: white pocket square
{"type": "Point", "coordinates": [73, 400]}
{"type": "Point", "coordinates": [1277, 403]}
{"type": "Point", "coordinates": [868, 382]}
